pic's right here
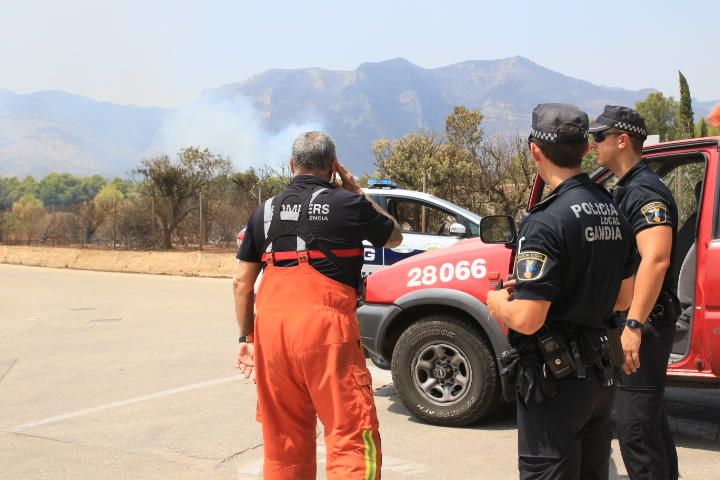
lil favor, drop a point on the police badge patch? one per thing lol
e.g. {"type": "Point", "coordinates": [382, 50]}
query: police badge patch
{"type": "Point", "coordinates": [656, 213]}
{"type": "Point", "coordinates": [529, 265]}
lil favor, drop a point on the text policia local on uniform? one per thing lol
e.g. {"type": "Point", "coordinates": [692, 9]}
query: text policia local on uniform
{"type": "Point", "coordinates": [609, 227]}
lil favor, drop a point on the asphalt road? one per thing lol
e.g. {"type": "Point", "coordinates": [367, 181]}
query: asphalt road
{"type": "Point", "coordinates": [106, 376]}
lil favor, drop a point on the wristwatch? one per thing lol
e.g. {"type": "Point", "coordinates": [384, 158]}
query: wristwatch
{"type": "Point", "coordinates": [246, 339]}
{"type": "Point", "coordinates": [634, 324]}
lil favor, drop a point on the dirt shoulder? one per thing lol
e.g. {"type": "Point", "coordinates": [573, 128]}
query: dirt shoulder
{"type": "Point", "coordinates": [190, 264]}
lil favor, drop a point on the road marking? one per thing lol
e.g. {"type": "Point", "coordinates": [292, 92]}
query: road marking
{"type": "Point", "coordinates": [10, 365]}
{"type": "Point", "coordinates": [124, 403]}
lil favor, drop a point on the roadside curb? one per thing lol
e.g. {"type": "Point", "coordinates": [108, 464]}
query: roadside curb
{"type": "Point", "coordinates": [189, 264]}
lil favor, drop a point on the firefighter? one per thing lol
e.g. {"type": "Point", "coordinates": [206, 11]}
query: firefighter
{"type": "Point", "coordinates": [300, 337]}
{"type": "Point", "coordinates": [575, 251]}
{"type": "Point", "coordinates": [646, 442]}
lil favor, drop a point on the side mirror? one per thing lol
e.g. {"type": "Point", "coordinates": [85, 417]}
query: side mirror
{"type": "Point", "coordinates": [498, 229]}
{"type": "Point", "coordinates": [457, 230]}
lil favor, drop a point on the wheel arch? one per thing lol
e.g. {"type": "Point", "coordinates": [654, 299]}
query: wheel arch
{"type": "Point", "coordinates": [417, 304]}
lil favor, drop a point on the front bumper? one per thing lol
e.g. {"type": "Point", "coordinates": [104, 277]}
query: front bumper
{"type": "Point", "coordinates": [374, 319]}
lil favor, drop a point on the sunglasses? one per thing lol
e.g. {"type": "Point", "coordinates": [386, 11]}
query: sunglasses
{"type": "Point", "coordinates": [602, 135]}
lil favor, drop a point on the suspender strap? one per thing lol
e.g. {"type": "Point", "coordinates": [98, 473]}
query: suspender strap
{"type": "Point", "coordinates": [267, 219]}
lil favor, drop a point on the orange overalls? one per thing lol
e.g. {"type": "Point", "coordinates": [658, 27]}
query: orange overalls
{"type": "Point", "coordinates": [309, 362]}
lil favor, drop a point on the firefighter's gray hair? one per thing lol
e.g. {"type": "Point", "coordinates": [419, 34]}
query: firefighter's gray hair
{"type": "Point", "coordinates": [313, 151]}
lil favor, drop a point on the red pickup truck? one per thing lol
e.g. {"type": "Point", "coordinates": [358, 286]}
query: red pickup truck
{"type": "Point", "coordinates": [426, 315]}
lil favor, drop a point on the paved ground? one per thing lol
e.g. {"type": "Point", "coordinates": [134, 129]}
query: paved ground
{"type": "Point", "coordinates": [106, 376]}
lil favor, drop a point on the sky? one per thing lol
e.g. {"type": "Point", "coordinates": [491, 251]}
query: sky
{"type": "Point", "coordinates": [166, 52]}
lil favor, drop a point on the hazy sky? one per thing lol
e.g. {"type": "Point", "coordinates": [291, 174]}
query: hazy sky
{"type": "Point", "coordinates": [165, 52]}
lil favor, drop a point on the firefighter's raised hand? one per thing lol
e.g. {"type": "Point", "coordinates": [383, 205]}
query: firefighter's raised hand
{"type": "Point", "coordinates": [348, 181]}
{"type": "Point", "coordinates": [245, 361]}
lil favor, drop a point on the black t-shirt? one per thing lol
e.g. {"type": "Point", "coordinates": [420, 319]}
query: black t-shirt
{"type": "Point", "coordinates": [340, 220]}
{"type": "Point", "coordinates": [647, 202]}
{"type": "Point", "coordinates": [574, 250]}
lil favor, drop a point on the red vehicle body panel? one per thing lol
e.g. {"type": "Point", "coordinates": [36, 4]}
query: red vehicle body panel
{"type": "Point", "coordinates": [474, 267]}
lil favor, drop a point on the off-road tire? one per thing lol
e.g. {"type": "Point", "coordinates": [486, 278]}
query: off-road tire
{"type": "Point", "coordinates": [483, 392]}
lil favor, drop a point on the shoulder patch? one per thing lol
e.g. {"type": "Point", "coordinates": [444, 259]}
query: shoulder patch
{"type": "Point", "coordinates": [656, 213]}
{"type": "Point", "coordinates": [529, 265]}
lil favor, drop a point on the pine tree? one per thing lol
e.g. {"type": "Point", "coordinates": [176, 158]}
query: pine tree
{"type": "Point", "coordinates": [685, 123]}
{"type": "Point", "coordinates": [703, 129]}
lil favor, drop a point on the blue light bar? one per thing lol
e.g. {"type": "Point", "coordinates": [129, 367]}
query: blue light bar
{"type": "Point", "coordinates": [381, 183]}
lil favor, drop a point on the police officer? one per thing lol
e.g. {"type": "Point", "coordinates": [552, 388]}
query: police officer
{"type": "Point", "coordinates": [646, 442]}
{"type": "Point", "coordinates": [574, 250]}
{"type": "Point", "coordinates": [306, 351]}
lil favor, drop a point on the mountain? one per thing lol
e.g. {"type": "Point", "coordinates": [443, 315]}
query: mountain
{"type": "Point", "coordinates": [53, 131]}
{"type": "Point", "coordinates": [59, 132]}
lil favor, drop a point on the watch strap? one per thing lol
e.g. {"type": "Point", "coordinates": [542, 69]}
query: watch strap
{"type": "Point", "coordinates": [246, 339]}
{"type": "Point", "coordinates": [634, 324]}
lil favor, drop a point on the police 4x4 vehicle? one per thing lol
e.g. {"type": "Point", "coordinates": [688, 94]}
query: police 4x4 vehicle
{"type": "Point", "coordinates": [427, 223]}
{"type": "Point", "coordinates": [427, 314]}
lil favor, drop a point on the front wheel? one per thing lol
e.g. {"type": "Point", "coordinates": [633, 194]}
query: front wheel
{"type": "Point", "coordinates": [445, 372]}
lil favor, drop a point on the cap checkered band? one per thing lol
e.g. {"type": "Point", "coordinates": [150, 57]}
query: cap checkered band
{"type": "Point", "coordinates": [630, 128]}
{"type": "Point", "coordinates": [547, 137]}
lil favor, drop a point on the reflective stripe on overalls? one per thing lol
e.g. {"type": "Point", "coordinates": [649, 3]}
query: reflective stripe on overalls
{"type": "Point", "coordinates": [309, 363]}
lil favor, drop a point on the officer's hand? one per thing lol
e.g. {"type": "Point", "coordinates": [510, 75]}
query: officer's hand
{"type": "Point", "coordinates": [495, 298]}
{"type": "Point", "coordinates": [510, 286]}
{"type": "Point", "coordinates": [245, 360]}
{"type": "Point", "coordinates": [348, 181]}
{"type": "Point", "coordinates": [630, 339]}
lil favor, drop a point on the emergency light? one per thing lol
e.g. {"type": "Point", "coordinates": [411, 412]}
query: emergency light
{"type": "Point", "coordinates": [381, 183]}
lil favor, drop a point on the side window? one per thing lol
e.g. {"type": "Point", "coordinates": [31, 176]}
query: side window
{"type": "Point", "coordinates": [685, 183]}
{"type": "Point", "coordinates": [472, 228]}
{"type": "Point", "coordinates": [418, 217]}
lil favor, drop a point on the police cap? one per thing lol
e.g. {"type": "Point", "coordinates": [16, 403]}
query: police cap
{"type": "Point", "coordinates": [620, 118]}
{"type": "Point", "coordinates": [547, 118]}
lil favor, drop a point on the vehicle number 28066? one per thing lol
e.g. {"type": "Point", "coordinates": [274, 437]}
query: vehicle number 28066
{"type": "Point", "coordinates": [447, 272]}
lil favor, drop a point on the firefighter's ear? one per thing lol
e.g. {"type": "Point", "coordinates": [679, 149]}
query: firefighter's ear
{"type": "Point", "coordinates": [292, 165]}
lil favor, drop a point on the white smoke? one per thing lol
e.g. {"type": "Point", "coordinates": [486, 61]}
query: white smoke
{"type": "Point", "coordinates": [230, 127]}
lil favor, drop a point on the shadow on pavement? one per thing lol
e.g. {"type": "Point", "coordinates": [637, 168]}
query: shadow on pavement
{"type": "Point", "coordinates": [502, 419]}
{"type": "Point", "coordinates": [694, 416]}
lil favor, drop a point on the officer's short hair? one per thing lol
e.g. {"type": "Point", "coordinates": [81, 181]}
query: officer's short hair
{"type": "Point", "coordinates": [564, 155]}
{"type": "Point", "coordinates": [313, 151]}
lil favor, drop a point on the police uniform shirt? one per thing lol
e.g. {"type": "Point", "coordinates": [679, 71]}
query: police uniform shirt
{"type": "Point", "coordinates": [574, 250]}
{"type": "Point", "coordinates": [341, 218]}
{"type": "Point", "coordinates": [647, 202]}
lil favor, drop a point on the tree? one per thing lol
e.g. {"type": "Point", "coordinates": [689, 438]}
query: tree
{"type": "Point", "coordinates": [685, 121]}
{"type": "Point", "coordinates": [61, 227]}
{"type": "Point", "coordinates": [27, 213]}
{"type": "Point", "coordinates": [96, 211]}
{"type": "Point", "coordinates": [702, 129]}
{"type": "Point", "coordinates": [174, 186]}
{"type": "Point", "coordinates": [490, 175]}
{"type": "Point", "coordinates": [507, 174]}
{"type": "Point", "coordinates": [5, 224]}
{"type": "Point", "coordinates": [413, 161]}
{"type": "Point", "coordinates": [659, 113]}
{"type": "Point", "coordinates": [9, 192]}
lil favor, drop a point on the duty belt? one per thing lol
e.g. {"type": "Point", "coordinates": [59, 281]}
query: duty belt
{"type": "Point", "coordinates": [532, 371]}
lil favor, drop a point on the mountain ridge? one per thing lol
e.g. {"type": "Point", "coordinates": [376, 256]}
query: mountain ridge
{"type": "Point", "coordinates": [54, 130]}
